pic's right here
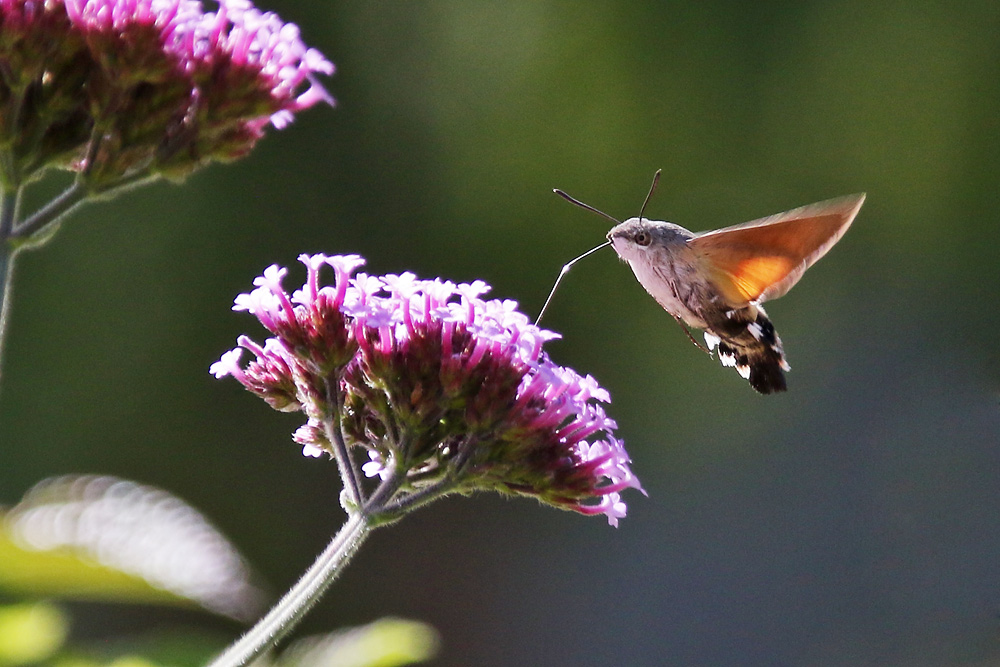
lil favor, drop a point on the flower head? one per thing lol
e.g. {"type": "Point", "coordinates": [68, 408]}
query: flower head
{"type": "Point", "coordinates": [434, 383]}
{"type": "Point", "coordinates": [116, 87]}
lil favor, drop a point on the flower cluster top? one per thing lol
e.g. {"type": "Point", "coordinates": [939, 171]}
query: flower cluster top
{"type": "Point", "coordinates": [432, 380]}
{"type": "Point", "coordinates": [114, 87]}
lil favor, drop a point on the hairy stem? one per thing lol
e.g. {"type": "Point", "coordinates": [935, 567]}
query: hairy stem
{"type": "Point", "coordinates": [379, 500]}
{"type": "Point", "coordinates": [285, 615]}
{"type": "Point", "coordinates": [8, 214]}
{"type": "Point", "coordinates": [442, 487]}
{"type": "Point", "coordinates": [334, 434]}
{"type": "Point", "coordinates": [412, 501]}
{"type": "Point", "coordinates": [73, 196]}
{"type": "Point", "coordinates": [50, 213]}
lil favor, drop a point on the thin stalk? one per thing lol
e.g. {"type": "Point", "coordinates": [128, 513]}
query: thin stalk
{"type": "Point", "coordinates": [443, 487]}
{"type": "Point", "coordinates": [285, 615]}
{"type": "Point", "coordinates": [411, 501]}
{"type": "Point", "coordinates": [380, 498]}
{"type": "Point", "coordinates": [8, 210]}
{"type": "Point", "coordinates": [9, 200]}
{"type": "Point", "coordinates": [72, 197]}
{"type": "Point", "coordinates": [334, 434]}
{"type": "Point", "coordinates": [51, 212]}
{"type": "Point", "coordinates": [131, 180]}
{"type": "Point", "coordinates": [354, 472]}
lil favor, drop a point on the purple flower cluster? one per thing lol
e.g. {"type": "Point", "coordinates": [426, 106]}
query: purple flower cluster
{"type": "Point", "coordinates": [433, 382]}
{"type": "Point", "coordinates": [112, 87]}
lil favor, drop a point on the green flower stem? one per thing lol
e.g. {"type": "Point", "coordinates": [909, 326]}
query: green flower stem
{"type": "Point", "coordinates": [285, 615]}
{"type": "Point", "coordinates": [301, 597]}
{"type": "Point", "coordinates": [6, 274]}
{"type": "Point", "coordinates": [397, 506]}
{"type": "Point", "coordinates": [128, 182]}
{"type": "Point", "coordinates": [380, 498]}
{"type": "Point", "coordinates": [73, 196]}
{"type": "Point", "coordinates": [345, 462]}
{"type": "Point", "coordinates": [412, 501]}
{"type": "Point", "coordinates": [14, 234]}
{"type": "Point", "coordinates": [8, 212]}
{"type": "Point", "coordinates": [50, 213]}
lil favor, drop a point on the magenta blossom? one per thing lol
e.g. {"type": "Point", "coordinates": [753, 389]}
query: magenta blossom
{"type": "Point", "coordinates": [434, 384]}
{"type": "Point", "coordinates": [116, 88]}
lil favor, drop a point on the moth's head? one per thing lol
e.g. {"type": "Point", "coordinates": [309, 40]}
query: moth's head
{"type": "Point", "coordinates": [643, 239]}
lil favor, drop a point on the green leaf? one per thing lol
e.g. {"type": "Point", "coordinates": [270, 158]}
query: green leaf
{"type": "Point", "coordinates": [102, 538]}
{"type": "Point", "coordinates": [67, 573]}
{"type": "Point", "coordinates": [387, 642]}
{"type": "Point", "coordinates": [30, 632]}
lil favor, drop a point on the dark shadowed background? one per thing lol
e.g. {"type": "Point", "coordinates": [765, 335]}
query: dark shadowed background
{"type": "Point", "coordinates": [854, 520]}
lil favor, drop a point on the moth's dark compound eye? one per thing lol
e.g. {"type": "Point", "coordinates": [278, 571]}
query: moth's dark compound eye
{"type": "Point", "coordinates": [642, 238]}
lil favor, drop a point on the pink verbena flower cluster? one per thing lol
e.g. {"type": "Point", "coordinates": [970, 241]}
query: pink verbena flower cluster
{"type": "Point", "coordinates": [114, 87]}
{"type": "Point", "coordinates": [432, 381]}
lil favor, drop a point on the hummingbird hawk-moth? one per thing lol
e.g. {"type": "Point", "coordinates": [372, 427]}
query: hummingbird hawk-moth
{"type": "Point", "coordinates": [717, 280]}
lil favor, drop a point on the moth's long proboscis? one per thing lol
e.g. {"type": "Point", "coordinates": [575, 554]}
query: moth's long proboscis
{"type": "Point", "coordinates": [565, 269]}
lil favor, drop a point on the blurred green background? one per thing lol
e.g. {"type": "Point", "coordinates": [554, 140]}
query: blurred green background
{"type": "Point", "coordinates": [854, 520]}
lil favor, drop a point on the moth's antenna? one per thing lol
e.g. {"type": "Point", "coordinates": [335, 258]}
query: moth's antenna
{"type": "Point", "coordinates": [579, 203]}
{"type": "Point", "coordinates": [566, 267]}
{"type": "Point", "coordinates": [652, 189]}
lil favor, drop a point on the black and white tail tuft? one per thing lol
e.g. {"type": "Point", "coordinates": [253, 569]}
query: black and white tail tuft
{"type": "Point", "coordinates": [747, 341]}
